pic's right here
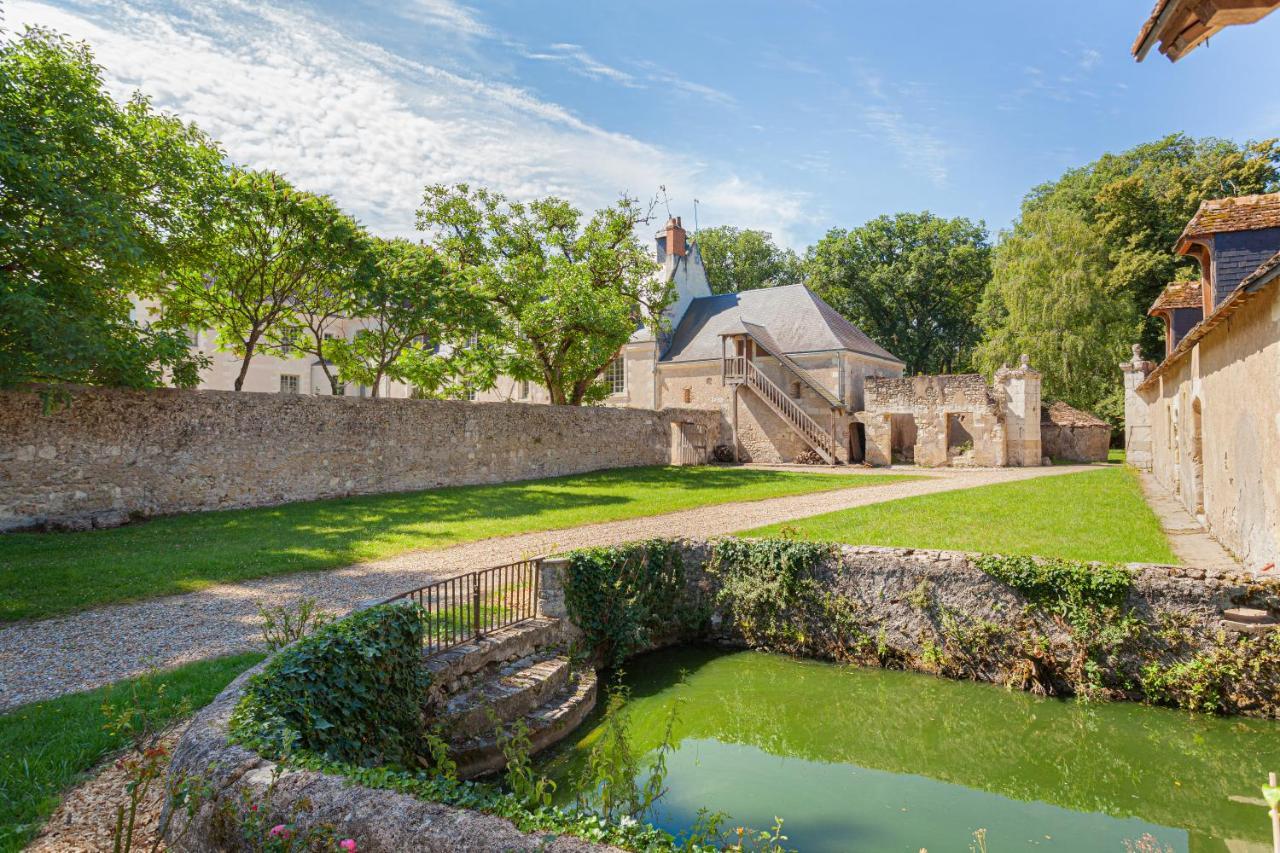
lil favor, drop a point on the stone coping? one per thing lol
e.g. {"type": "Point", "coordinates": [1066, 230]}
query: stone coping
{"type": "Point", "coordinates": [380, 821]}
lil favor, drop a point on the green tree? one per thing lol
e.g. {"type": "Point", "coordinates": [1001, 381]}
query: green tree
{"type": "Point", "coordinates": [98, 201]}
{"type": "Point", "coordinates": [1123, 214]}
{"type": "Point", "coordinates": [271, 245]}
{"type": "Point", "coordinates": [419, 318]}
{"type": "Point", "coordinates": [745, 259]}
{"type": "Point", "coordinates": [565, 295]}
{"type": "Point", "coordinates": [911, 281]}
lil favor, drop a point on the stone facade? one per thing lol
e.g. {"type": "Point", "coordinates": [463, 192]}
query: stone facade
{"type": "Point", "coordinates": [954, 420]}
{"type": "Point", "coordinates": [114, 454]}
{"type": "Point", "coordinates": [1071, 435]}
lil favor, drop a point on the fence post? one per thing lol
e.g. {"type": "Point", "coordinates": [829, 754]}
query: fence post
{"type": "Point", "coordinates": [475, 593]}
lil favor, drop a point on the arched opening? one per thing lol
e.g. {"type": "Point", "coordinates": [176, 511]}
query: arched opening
{"type": "Point", "coordinates": [1197, 458]}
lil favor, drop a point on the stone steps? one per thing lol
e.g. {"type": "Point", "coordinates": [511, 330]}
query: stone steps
{"type": "Point", "coordinates": [1248, 620]}
{"type": "Point", "coordinates": [455, 670]}
{"type": "Point", "coordinates": [514, 690]}
{"type": "Point", "coordinates": [548, 723]}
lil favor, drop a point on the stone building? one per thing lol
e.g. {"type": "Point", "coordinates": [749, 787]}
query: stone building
{"type": "Point", "coordinates": [1070, 435]}
{"type": "Point", "coordinates": [955, 420]}
{"type": "Point", "coordinates": [782, 367]}
{"type": "Point", "coordinates": [1206, 420]}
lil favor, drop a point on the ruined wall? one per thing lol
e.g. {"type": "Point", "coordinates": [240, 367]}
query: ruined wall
{"type": "Point", "coordinates": [929, 400]}
{"type": "Point", "coordinates": [1227, 477]}
{"type": "Point", "coordinates": [112, 454]}
{"type": "Point", "coordinates": [1075, 443]}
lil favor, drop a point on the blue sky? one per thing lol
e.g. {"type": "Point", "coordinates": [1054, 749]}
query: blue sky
{"type": "Point", "coordinates": [789, 116]}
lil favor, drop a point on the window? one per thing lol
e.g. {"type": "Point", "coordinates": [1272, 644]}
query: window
{"type": "Point", "coordinates": [471, 394]}
{"type": "Point", "coordinates": [523, 389]}
{"type": "Point", "coordinates": [288, 383]}
{"type": "Point", "coordinates": [688, 395]}
{"type": "Point", "coordinates": [615, 376]}
{"type": "Point", "coordinates": [341, 389]}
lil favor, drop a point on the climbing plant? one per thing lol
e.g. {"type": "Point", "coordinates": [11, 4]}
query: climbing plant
{"type": "Point", "coordinates": [1066, 588]}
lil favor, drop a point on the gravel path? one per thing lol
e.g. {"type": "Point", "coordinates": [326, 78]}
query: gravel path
{"type": "Point", "coordinates": [40, 660]}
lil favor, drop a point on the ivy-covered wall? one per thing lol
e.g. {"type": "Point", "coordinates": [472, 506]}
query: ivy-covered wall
{"type": "Point", "coordinates": [1138, 632]}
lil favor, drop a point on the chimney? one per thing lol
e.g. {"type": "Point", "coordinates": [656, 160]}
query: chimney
{"type": "Point", "coordinates": [675, 237]}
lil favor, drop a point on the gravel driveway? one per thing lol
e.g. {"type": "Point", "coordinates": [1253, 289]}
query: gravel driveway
{"type": "Point", "coordinates": [40, 660]}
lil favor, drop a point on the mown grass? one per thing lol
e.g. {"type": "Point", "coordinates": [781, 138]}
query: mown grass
{"type": "Point", "coordinates": [45, 574]}
{"type": "Point", "coordinates": [1093, 515]}
{"type": "Point", "coordinates": [48, 746]}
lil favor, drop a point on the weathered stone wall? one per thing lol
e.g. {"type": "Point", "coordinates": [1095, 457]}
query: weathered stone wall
{"type": "Point", "coordinates": [929, 400]}
{"type": "Point", "coordinates": [1213, 422]}
{"type": "Point", "coordinates": [1075, 443]}
{"type": "Point", "coordinates": [113, 454]}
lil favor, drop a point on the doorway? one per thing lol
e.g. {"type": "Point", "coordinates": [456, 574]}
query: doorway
{"type": "Point", "coordinates": [902, 439]}
{"type": "Point", "coordinates": [1197, 458]}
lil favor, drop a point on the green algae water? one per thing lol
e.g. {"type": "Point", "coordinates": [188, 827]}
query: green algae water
{"type": "Point", "coordinates": [860, 759]}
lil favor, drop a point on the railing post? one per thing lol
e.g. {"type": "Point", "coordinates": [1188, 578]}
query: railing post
{"type": "Point", "coordinates": [475, 593]}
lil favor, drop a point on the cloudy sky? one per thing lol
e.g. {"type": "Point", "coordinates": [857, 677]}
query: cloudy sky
{"type": "Point", "coordinates": [791, 116]}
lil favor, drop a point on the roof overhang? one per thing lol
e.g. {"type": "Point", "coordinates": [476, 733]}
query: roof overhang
{"type": "Point", "coordinates": [1180, 26]}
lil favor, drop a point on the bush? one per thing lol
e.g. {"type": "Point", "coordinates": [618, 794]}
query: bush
{"type": "Point", "coordinates": [351, 691]}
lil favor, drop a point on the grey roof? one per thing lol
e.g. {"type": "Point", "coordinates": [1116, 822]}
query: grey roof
{"type": "Point", "coordinates": [797, 321]}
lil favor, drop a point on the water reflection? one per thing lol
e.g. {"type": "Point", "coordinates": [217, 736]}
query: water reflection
{"type": "Point", "coordinates": [868, 759]}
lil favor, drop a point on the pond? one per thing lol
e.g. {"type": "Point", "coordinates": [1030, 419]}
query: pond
{"type": "Point", "coordinates": [865, 759]}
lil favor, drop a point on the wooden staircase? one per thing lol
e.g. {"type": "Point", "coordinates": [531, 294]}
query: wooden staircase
{"type": "Point", "coordinates": [739, 370]}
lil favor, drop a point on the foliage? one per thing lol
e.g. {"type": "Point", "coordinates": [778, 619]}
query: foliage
{"type": "Point", "coordinates": [412, 305]}
{"type": "Point", "coordinates": [263, 832]}
{"type": "Point", "coordinates": [911, 281]}
{"type": "Point", "coordinates": [43, 574]}
{"type": "Point", "coordinates": [529, 788]}
{"type": "Point", "coordinates": [1092, 250]}
{"type": "Point", "coordinates": [1229, 676]}
{"type": "Point", "coordinates": [610, 785]}
{"type": "Point", "coordinates": [739, 259]}
{"type": "Point", "coordinates": [97, 201]}
{"type": "Point", "coordinates": [565, 295]}
{"type": "Point", "coordinates": [351, 691]}
{"type": "Point", "coordinates": [1064, 587]}
{"type": "Point", "coordinates": [46, 746]}
{"type": "Point", "coordinates": [623, 598]}
{"type": "Point", "coordinates": [270, 246]}
{"type": "Point", "coordinates": [282, 624]}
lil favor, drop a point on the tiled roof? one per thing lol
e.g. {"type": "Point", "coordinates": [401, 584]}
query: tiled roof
{"type": "Point", "coordinates": [1059, 413]}
{"type": "Point", "coordinates": [1240, 213]}
{"type": "Point", "coordinates": [796, 318]}
{"type": "Point", "coordinates": [1178, 294]}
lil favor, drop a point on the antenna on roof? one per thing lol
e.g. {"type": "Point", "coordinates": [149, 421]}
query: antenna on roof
{"type": "Point", "coordinates": [695, 216]}
{"type": "Point", "coordinates": [666, 201]}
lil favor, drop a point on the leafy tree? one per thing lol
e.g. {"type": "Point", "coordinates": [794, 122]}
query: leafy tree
{"type": "Point", "coordinates": [318, 310]}
{"type": "Point", "coordinates": [746, 259]}
{"type": "Point", "coordinates": [412, 305]}
{"type": "Point", "coordinates": [272, 245]}
{"type": "Point", "coordinates": [98, 201]}
{"type": "Point", "coordinates": [565, 295]}
{"type": "Point", "coordinates": [1124, 213]}
{"type": "Point", "coordinates": [911, 281]}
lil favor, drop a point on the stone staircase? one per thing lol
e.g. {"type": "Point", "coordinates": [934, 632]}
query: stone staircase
{"type": "Point", "coordinates": [522, 672]}
{"type": "Point", "coordinates": [1248, 620]}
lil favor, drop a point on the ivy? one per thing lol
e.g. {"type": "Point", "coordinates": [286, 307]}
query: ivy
{"type": "Point", "coordinates": [1066, 588]}
{"type": "Point", "coordinates": [350, 691]}
{"type": "Point", "coordinates": [624, 598]}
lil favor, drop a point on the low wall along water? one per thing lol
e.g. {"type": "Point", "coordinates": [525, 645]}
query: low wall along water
{"type": "Point", "coordinates": [115, 454]}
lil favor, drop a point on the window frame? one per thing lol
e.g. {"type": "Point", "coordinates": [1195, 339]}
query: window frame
{"type": "Point", "coordinates": [614, 376]}
{"type": "Point", "coordinates": [290, 379]}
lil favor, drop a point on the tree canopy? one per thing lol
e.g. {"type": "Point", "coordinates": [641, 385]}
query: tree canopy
{"type": "Point", "coordinates": [1077, 308]}
{"type": "Point", "coordinates": [745, 259]}
{"type": "Point", "coordinates": [564, 294]}
{"type": "Point", "coordinates": [98, 201]}
{"type": "Point", "coordinates": [911, 281]}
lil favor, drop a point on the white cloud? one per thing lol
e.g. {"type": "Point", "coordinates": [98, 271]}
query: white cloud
{"type": "Point", "coordinates": [892, 113]}
{"type": "Point", "coordinates": [576, 58]}
{"type": "Point", "coordinates": [447, 15]}
{"type": "Point", "coordinates": [282, 90]}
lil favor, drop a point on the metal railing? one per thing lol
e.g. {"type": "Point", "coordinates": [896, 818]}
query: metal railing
{"type": "Point", "coordinates": [464, 608]}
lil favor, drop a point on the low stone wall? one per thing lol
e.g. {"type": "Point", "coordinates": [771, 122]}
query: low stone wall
{"type": "Point", "coordinates": [115, 454]}
{"type": "Point", "coordinates": [381, 821]}
{"type": "Point", "coordinates": [1075, 443]}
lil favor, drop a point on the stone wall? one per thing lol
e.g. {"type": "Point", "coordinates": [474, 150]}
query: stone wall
{"type": "Point", "coordinates": [115, 454]}
{"type": "Point", "coordinates": [931, 402]}
{"type": "Point", "coordinates": [1075, 443]}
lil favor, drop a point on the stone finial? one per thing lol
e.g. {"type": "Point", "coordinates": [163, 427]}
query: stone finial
{"type": "Point", "coordinates": [1024, 361]}
{"type": "Point", "coordinates": [1137, 352]}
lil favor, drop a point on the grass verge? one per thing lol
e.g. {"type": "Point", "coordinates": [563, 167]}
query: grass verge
{"type": "Point", "coordinates": [45, 574]}
{"type": "Point", "coordinates": [1094, 515]}
{"type": "Point", "coordinates": [45, 747]}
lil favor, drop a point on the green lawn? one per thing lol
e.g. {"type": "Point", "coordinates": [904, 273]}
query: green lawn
{"type": "Point", "coordinates": [43, 574]}
{"type": "Point", "coordinates": [1094, 515]}
{"type": "Point", "coordinates": [47, 746]}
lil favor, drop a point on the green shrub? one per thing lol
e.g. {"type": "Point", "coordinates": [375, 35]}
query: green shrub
{"type": "Point", "coordinates": [1065, 588]}
{"type": "Point", "coordinates": [351, 691]}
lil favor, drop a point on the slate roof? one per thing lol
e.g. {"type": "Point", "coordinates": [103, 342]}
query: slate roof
{"type": "Point", "coordinates": [796, 320]}
{"type": "Point", "coordinates": [1060, 414]}
{"type": "Point", "coordinates": [1239, 213]}
{"type": "Point", "coordinates": [1177, 294]}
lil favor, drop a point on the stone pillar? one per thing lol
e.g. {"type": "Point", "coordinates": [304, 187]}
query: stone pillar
{"type": "Point", "coordinates": [551, 588]}
{"type": "Point", "coordinates": [1020, 396]}
{"type": "Point", "coordinates": [1137, 412]}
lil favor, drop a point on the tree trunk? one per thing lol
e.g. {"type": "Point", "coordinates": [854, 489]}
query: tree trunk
{"type": "Point", "coordinates": [377, 385]}
{"type": "Point", "coordinates": [249, 346]}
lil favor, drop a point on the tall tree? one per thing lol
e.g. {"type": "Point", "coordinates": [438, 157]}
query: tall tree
{"type": "Point", "coordinates": [745, 259]}
{"type": "Point", "coordinates": [417, 319]}
{"type": "Point", "coordinates": [1123, 213]}
{"type": "Point", "coordinates": [566, 294]}
{"type": "Point", "coordinates": [271, 243]}
{"type": "Point", "coordinates": [911, 281]}
{"type": "Point", "coordinates": [98, 201]}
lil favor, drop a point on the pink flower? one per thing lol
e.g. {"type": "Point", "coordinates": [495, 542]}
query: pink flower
{"type": "Point", "coordinates": [348, 844]}
{"type": "Point", "coordinates": [279, 831]}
